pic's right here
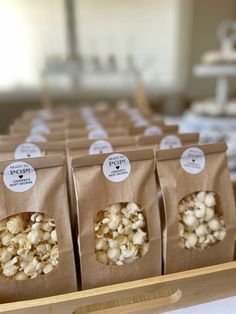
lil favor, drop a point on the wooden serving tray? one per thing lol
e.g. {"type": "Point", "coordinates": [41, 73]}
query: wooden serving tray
{"type": "Point", "coordinates": [152, 295]}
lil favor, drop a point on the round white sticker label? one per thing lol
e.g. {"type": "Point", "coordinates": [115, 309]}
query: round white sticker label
{"type": "Point", "coordinates": [97, 134]}
{"type": "Point", "coordinates": [27, 150]}
{"type": "Point", "coordinates": [19, 176]}
{"type": "Point", "coordinates": [193, 160]}
{"type": "Point", "coordinates": [170, 141]}
{"type": "Point", "coordinates": [100, 147]}
{"type": "Point", "coordinates": [40, 129]}
{"type": "Point", "coordinates": [35, 138]}
{"type": "Point", "coordinates": [116, 167]}
{"type": "Point", "coordinates": [153, 130]}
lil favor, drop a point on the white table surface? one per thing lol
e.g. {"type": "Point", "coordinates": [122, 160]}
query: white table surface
{"type": "Point", "coordinates": [223, 306]}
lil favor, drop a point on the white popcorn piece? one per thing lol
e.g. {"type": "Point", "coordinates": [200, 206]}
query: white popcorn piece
{"type": "Point", "coordinates": [20, 276]}
{"type": "Point", "coordinates": [214, 224]}
{"type": "Point", "coordinates": [54, 235]}
{"type": "Point", "coordinates": [100, 244]}
{"type": "Point", "coordinates": [198, 224]}
{"type": "Point", "coordinates": [210, 200]}
{"type": "Point", "coordinates": [35, 236]}
{"type": "Point", "coordinates": [8, 269]}
{"type": "Point", "coordinates": [191, 221]}
{"type": "Point", "coordinates": [125, 238]}
{"type": "Point", "coordinates": [15, 225]}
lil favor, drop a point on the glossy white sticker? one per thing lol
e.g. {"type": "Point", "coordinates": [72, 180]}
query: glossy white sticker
{"type": "Point", "coordinates": [193, 160]}
{"type": "Point", "coordinates": [100, 147]}
{"type": "Point", "coordinates": [40, 129]}
{"type": "Point", "coordinates": [170, 141]}
{"type": "Point", "coordinates": [27, 150]}
{"type": "Point", "coordinates": [97, 134]}
{"type": "Point", "coordinates": [116, 167]}
{"type": "Point", "coordinates": [19, 176]}
{"type": "Point", "coordinates": [153, 130]}
{"type": "Point", "coordinates": [35, 138]}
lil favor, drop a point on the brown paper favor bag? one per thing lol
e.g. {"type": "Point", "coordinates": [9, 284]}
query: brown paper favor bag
{"type": "Point", "coordinates": [42, 128]}
{"type": "Point", "coordinates": [155, 129]}
{"type": "Point", "coordinates": [38, 185]}
{"type": "Point", "coordinates": [99, 184]}
{"type": "Point", "coordinates": [16, 150]}
{"type": "Point", "coordinates": [96, 133]}
{"type": "Point", "coordinates": [33, 138]}
{"type": "Point", "coordinates": [81, 147]}
{"type": "Point", "coordinates": [167, 141]}
{"type": "Point", "coordinates": [187, 170]}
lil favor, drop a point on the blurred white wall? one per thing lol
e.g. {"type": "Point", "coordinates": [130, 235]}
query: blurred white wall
{"type": "Point", "coordinates": [30, 30]}
{"type": "Point", "coordinates": [156, 32]}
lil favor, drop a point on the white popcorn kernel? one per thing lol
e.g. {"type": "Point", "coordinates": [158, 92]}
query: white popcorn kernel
{"type": "Point", "coordinates": [54, 235]}
{"type": "Point", "coordinates": [35, 236]}
{"type": "Point", "coordinates": [45, 226]}
{"type": "Point", "coordinates": [51, 223]}
{"type": "Point", "coordinates": [210, 213]}
{"type": "Point", "coordinates": [20, 276]}
{"type": "Point", "coordinates": [6, 239]}
{"type": "Point", "coordinates": [106, 220]}
{"type": "Point", "coordinates": [122, 239]}
{"type": "Point", "coordinates": [113, 243]}
{"type": "Point", "coordinates": [121, 229]}
{"type": "Point", "coordinates": [214, 224]}
{"type": "Point", "coordinates": [12, 250]}
{"type": "Point", "coordinates": [144, 248]}
{"type": "Point", "coordinates": [210, 200]}
{"type": "Point", "coordinates": [113, 225]}
{"type": "Point", "coordinates": [113, 253]}
{"type": "Point", "coordinates": [8, 269]}
{"type": "Point", "coordinates": [201, 230]}
{"type": "Point", "coordinates": [29, 270]}
{"type": "Point", "coordinates": [201, 196]}
{"type": "Point", "coordinates": [15, 225]}
{"type": "Point", "coordinates": [138, 224]}
{"type": "Point", "coordinates": [19, 238]}
{"type": "Point", "coordinates": [222, 234]}
{"type": "Point", "coordinates": [191, 241]}
{"type": "Point", "coordinates": [115, 208]}
{"type": "Point", "coordinates": [46, 236]}
{"type": "Point", "coordinates": [132, 208]}
{"type": "Point", "coordinates": [100, 244]}
{"type": "Point", "coordinates": [36, 225]}
{"type": "Point", "coordinates": [191, 221]}
{"type": "Point", "coordinates": [119, 263]}
{"type": "Point", "coordinates": [5, 256]}
{"type": "Point", "coordinates": [139, 238]}
{"type": "Point", "coordinates": [39, 218]}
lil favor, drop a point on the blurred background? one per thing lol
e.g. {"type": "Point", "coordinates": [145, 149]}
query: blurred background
{"type": "Point", "coordinates": [66, 51]}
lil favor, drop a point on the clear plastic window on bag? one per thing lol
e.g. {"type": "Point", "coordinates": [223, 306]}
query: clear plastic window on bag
{"type": "Point", "coordinates": [120, 234]}
{"type": "Point", "coordinates": [200, 221]}
{"type": "Point", "coordinates": [28, 246]}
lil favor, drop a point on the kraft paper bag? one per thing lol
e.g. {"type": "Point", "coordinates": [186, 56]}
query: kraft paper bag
{"type": "Point", "coordinates": [104, 180]}
{"type": "Point", "coordinates": [38, 185]}
{"type": "Point", "coordinates": [195, 170]}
